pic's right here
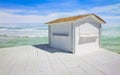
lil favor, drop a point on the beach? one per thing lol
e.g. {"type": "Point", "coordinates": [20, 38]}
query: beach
{"type": "Point", "coordinates": [20, 34]}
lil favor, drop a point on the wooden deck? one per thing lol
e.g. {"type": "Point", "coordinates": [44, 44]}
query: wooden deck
{"type": "Point", "coordinates": [43, 60]}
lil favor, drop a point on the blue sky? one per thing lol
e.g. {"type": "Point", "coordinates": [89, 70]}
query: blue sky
{"type": "Point", "coordinates": [40, 11]}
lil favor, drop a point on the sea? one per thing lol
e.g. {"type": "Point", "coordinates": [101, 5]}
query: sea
{"type": "Point", "coordinates": [18, 34]}
{"type": "Point", "coordinates": [111, 38]}
{"type": "Point", "coordinates": [23, 29]}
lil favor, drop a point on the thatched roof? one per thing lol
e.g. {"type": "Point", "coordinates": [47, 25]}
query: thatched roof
{"type": "Point", "coordinates": [73, 18]}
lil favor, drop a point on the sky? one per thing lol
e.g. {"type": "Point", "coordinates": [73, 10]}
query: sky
{"type": "Point", "coordinates": [41, 11]}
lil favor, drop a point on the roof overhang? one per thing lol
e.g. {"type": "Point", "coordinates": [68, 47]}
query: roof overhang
{"type": "Point", "coordinates": [74, 18]}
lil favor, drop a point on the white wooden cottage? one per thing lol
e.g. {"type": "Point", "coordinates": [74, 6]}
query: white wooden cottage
{"type": "Point", "coordinates": [71, 32]}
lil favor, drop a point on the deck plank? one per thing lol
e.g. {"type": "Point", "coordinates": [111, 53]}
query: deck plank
{"type": "Point", "coordinates": [7, 62]}
{"type": "Point", "coordinates": [76, 64]}
{"type": "Point", "coordinates": [21, 59]}
{"type": "Point", "coordinates": [31, 60]}
{"type": "Point", "coordinates": [104, 60]}
{"type": "Point", "coordinates": [45, 66]}
{"type": "Point", "coordinates": [58, 66]}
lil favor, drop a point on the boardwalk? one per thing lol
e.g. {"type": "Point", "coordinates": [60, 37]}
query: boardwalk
{"type": "Point", "coordinates": [43, 60]}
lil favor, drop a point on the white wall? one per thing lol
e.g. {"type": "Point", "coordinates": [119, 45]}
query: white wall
{"type": "Point", "coordinates": [61, 28]}
{"type": "Point", "coordinates": [87, 32]}
{"type": "Point", "coordinates": [61, 36]}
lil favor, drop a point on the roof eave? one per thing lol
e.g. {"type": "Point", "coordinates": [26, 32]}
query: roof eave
{"type": "Point", "coordinates": [97, 17]}
{"type": "Point", "coordinates": [102, 21]}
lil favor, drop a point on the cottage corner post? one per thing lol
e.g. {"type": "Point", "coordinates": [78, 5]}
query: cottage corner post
{"type": "Point", "coordinates": [49, 34]}
{"type": "Point", "coordinates": [99, 37]}
{"type": "Point", "coordinates": [73, 37]}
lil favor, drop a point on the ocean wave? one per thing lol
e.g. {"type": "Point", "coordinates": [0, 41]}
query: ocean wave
{"type": "Point", "coordinates": [25, 33]}
{"type": "Point", "coordinates": [4, 35]}
{"type": "Point", "coordinates": [22, 26]}
{"type": "Point", "coordinates": [22, 29]}
{"type": "Point", "coordinates": [10, 28]}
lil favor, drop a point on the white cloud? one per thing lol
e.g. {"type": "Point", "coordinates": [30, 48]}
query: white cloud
{"type": "Point", "coordinates": [111, 17]}
{"type": "Point", "coordinates": [10, 16]}
{"type": "Point", "coordinates": [15, 18]}
{"type": "Point", "coordinates": [109, 9]}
